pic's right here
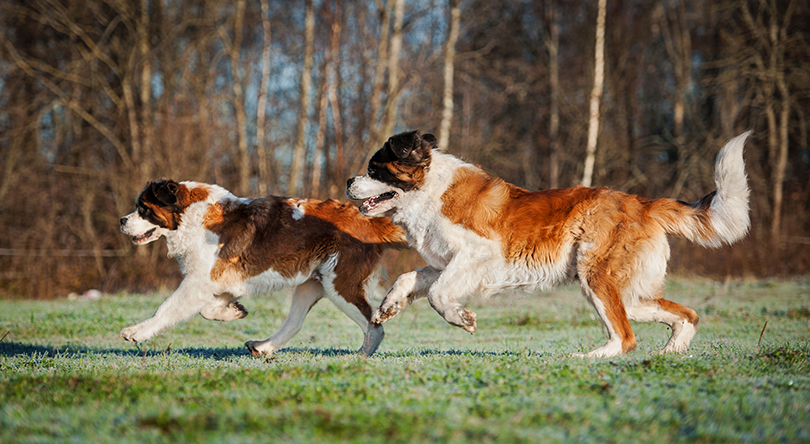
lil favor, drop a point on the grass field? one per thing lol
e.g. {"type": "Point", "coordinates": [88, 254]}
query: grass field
{"type": "Point", "coordinates": [67, 377]}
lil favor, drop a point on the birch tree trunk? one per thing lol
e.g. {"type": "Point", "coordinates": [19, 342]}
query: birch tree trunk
{"type": "Point", "coordinates": [449, 56]}
{"type": "Point", "coordinates": [297, 168]}
{"type": "Point", "coordinates": [596, 95]}
{"type": "Point", "coordinates": [261, 150]}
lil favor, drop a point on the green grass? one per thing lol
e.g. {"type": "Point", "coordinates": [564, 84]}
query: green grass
{"type": "Point", "coordinates": [65, 376]}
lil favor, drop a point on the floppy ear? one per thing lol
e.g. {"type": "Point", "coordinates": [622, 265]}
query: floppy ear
{"type": "Point", "coordinates": [430, 141]}
{"type": "Point", "coordinates": [403, 144]}
{"type": "Point", "coordinates": [166, 191]}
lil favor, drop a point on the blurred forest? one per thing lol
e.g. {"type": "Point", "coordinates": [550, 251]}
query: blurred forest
{"type": "Point", "coordinates": [289, 97]}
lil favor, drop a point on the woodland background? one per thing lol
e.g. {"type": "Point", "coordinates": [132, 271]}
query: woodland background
{"type": "Point", "coordinates": [290, 97]}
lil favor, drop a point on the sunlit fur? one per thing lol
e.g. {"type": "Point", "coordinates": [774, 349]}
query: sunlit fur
{"type": "Point", "coordinates": [481, 235]}
{"type": "Point", "coordinates": [228, 247]}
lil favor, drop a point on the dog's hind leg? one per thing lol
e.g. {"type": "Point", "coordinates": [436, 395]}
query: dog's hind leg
{"type": "Point", "coordinates": [407, 288]}
{"type": "Point", "coordinates": [372, 339]}
{"type": "Point", "coordinates": [303, 298]}
{"type": "Point", "coordinates": [224, 308]}
{"type": "Point", "coordinates": [602, 293]}
{"type": "Point", "coordinates": [682, 320]}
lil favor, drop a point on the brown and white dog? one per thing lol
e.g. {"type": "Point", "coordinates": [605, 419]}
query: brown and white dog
{"type": "Point", "coordinates": [228, 247]}
{"type": "Point", "coordinates": [481, 235]}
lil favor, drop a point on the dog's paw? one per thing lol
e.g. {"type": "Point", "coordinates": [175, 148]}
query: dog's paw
{"type": "Point", "coordinates": [260, 348]}
{"type": "Point", "coordinates": [239, 311]}
{"type": "Point", "coordinates": [386, 312]}
{"type": "Point", "coordinates": [224, 313]}
{"type": "Point", "coordinates": [468, 319]}
{"type": "Point", "coordinates": [134, 333]}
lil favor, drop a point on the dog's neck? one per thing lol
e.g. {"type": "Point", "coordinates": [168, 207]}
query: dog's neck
{"type": "Point", "coordinates": [438, 178]}
{"type": "Point", "coordinates": [191, 241]}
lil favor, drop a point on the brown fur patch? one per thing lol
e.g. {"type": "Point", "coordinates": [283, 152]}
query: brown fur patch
{"type": "Point", "coordinates": [347, 218]}
{"type": "Point", "coordinates": [679, 310]}
{"type": "Point", "coordinates": [532, 226]}
{"type": "Point", "coordinates": [166, 200]}
{"type": "Point", "coordinates": [262, 234]}
{"type": "Point", "coordinates": [476, 201]}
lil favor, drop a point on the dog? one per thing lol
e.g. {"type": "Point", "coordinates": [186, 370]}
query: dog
{"type": "Point", "coordinates": [480, 235]}
{"type": "Point", "coordinates": [228, 247]}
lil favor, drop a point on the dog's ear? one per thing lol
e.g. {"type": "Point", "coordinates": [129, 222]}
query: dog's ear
{"type": "Point", "coordinates": [429, 141]}
{"type": "Point", "coordinates": [403, 144]}
{"type": "Point", "coordinates": [166, 191]}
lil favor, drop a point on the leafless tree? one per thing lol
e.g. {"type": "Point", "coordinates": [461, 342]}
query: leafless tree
{"type": "Point", "coordinates": [297, 167]}
{"type": "Point", "coordinates": [596, 94]}
{"type": "Point", "coordinates": [261, 143]}
{"type": "Point", "coordinates": [449, 56]}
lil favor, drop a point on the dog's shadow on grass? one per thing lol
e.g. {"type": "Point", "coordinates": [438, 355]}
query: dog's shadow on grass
{"type": "Point", "coordinates": [15, 349]}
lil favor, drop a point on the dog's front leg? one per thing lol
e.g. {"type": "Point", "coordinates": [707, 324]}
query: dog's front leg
{"type": "Point", "coordinates": [188, 300]}
{"type": "Point", "coordinates": [459, 280]}
{"type": "Point", "coordinates": [407, 288]}
{"type": "Point", "coordinates": [224, 308]}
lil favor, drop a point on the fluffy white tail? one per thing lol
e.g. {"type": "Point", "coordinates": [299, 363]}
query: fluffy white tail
{"type": "Point", "coordinates": [729, 208]}
{"type": "Point", "coordinates": [721, 217]}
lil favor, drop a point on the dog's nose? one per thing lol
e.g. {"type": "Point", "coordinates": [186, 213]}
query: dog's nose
{"type": "Point", "coordinates": [349, 182]}
{"type": "Point", "coordinates": [123, 220]}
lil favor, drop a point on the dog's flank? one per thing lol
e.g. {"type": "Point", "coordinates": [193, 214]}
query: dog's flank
{"type": "Point", "coordinates": [228, 247]}
{"type": "Point", "coordinates": [481, 235]}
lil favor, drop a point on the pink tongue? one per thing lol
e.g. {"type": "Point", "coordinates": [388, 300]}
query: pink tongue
{"type": "Point", "coordinates": [368, 204]}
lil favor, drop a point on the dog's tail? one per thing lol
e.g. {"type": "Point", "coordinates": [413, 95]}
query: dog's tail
{"type": "Point", "coordinates": [385, 233]}
{"type": "Point", "coordinates": [721, 217]}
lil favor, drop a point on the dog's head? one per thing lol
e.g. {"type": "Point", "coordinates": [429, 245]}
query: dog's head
{"type": "Point", "coordinates": [395, 169]}
{"type": "Point", "coordinates": [159, 210]}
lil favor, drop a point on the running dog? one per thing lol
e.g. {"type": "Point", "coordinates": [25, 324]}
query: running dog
{"type": "Point", "coordinates": [228, 247]}
{"type": "Point", "coordinates": [481, 235]}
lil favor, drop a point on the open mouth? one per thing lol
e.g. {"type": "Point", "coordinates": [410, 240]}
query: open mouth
{"type": "Point", "coordinates": [374, 203]}
{"type": "Point", "coordinates": [141, 238]}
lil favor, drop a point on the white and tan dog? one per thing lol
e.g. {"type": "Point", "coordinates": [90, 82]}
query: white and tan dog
{"type": "Point", "coordinates": [481, 235]}
{"type": "Point", "coordinates": [228, 247]}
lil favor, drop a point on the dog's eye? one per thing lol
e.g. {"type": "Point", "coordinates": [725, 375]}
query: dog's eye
{"type": "Point", "coordinates": [372, 171]}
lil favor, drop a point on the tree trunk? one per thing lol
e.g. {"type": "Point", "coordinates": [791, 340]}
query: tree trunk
{"type": "Point", "coordinates": [393, 70]}
{"type": "Point", "coordinates": [317, 160]}
{"type": "Point", "coordinates": [239, 101]}
{"type": "Point", "coordinates": [596, 95]}
{"type": "Point", "coordinates": [297, 168]}
{"type": "Point", "coordinates": [261, 150]}
{"type": "Point", "coordinates": [553, 46]}
{"type": "Point", "coordinates": [376, 90]}
{"type": "Point", "coordinates": [147, 122]}
{"type": "Point", "coordinates": [780, 166]}
{"type": "Point", "coordinates": [332, 92]}
{"type": "Point", "coordinates": [449, 56]}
